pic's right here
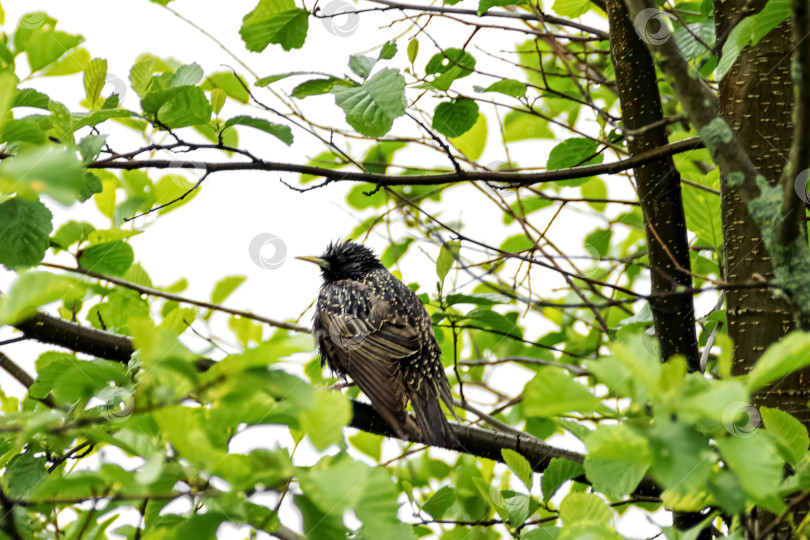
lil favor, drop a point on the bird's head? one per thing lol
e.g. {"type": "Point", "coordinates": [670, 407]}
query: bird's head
{"type": "Point", "coordinates": [345, 260]}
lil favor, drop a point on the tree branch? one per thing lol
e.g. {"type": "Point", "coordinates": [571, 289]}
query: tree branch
{"type": "Point", "coordinates": [514, 179]}
{"type": "Point", "coordinates": [532, 17]}
{"type": "Point", "coordinates": [471, 440]}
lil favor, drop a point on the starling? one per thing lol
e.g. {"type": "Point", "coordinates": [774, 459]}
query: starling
{"type": "Point", "coordinates": [371, 327]}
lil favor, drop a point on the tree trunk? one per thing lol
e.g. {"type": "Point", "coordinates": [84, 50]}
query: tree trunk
{"type": "Point", "coordinates": [756, 97]}
{"type": "Point", "coordinates": [659, 189]}
{"type": "Point", "coordinates": [659, 193]}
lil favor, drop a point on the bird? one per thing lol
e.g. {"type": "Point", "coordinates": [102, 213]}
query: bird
{"type": "Point", "coordinates": [372, 328]}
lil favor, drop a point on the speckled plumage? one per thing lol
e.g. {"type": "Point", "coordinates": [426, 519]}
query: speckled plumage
{"type": "Point", "coordinates": [371, 327]}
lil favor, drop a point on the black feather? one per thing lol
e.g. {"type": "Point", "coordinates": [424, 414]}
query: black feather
{"type": "Point", "coordinates": [371, 327]}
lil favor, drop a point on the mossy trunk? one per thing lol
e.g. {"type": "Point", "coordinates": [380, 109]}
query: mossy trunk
{"type": "Point", "coordinates": [756, 97]}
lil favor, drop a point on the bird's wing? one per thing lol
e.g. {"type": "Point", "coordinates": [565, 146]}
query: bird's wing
{"type": "Point", "coordinates": [363, 338]}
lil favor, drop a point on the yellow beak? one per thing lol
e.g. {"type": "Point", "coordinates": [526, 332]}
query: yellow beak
{"type": "Point", "coordinates": [323, 263]}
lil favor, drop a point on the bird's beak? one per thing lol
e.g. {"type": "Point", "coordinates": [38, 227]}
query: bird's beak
{"type": "Point", "coordinates": [323, 263]}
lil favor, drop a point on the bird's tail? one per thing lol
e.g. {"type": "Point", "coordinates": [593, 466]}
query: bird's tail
{"type": "Point", "coordinates": [430, 418]}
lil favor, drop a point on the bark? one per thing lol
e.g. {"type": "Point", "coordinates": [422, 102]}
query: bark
{"type": "Point", "coordinates": [756, 98]}
{"type": "Point", "coordinates": [659, 189]}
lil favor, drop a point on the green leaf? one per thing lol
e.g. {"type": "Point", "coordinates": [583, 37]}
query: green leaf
{"type": "Point", "coordinates": [169, 188]}
{"type": "Point", "coordinates": [617, 460]}
{"type": "Point", "coordinates": [380, 156]}
{"type": "Point", "coordinates": [75, 61]}
{"type": "Point", "coordinates": [495, 321]}
{"type": "Point", "coordinates": [519, 465]}
{"type": "Point", "coordinates": [24, 472]}
{"type": "Point", "coordinates": [335, 488]}
{"type": "Point", "coordinates": [448, 66]}
{"type": "Point", "coordinates": [324, 160]}
{"type": "Point", "coordinates": [440, 502]}
{"type": "Point", "coordinates": [29, 98]}
{"type": "Point", "coordinates": [682, 461]}
{"type": "Point", "coordinates": [372, 107]}
{"type": "Point", "coordinates": [318, 87]}
{"type": "Point", "coordinates": [358, 199]}
{"type": "Point", "coordinates": [270, 79]}
{"type": "Point", "coordinates": [573, 153]}
{"type": "Point", "coordinates": [595, 188]}
{"type": "Point", "coordinates": [225, 287]}
{"type": "Point", "coordinates": [758, 466]}
{"type": "Point", "coordinates": [378, 507]}
{"type": "Point", "coordinates": [524, 207]}
{"type": "Point", "coordinates": [275, 21]}
{"type": "Point", "coordinates": [690, 47]}
{"type": "Point", "coordinates": [479, 299]}
{"type": "Point", "coordinates": [24, 230]}
{"type": "Point", "coordinates": [447, 257]}
{"type": "Point", "coordinates": [395, 251]}
{"type": "Point", "coordinates": [559, 470]}
{"type": "Point", "coordinates": [751, 30]}
{"type": "Point", "coordinates": [71, 233]}
{"type": "Point", "coordinates": [324, 422]}
{"type": "Point", "coordinates": [8, 95]}
{"type": "Point", "coordinates": [178, 107]}
{"type": "Point", "coordinates": [552, 392]}
{"type": "Point", "coordinates": [90, 147]}
{"type": "Point", "coordinates": [319, 524]}
{"type": "Point", "coordinates": [413, 50]}
{"type": "Point", "coordinates": [485, 5]}
{"type": "Point", "coordinates": [52, 170]}
{"type": "Point", "coordinates": [702, 211]}
{"type": "Point", "coordinates": [361, 65]}
{"type": "Point", "coordinates": [571, 8]}
{"type": "Point", "coordinates": [728, 491]}
{"type": "Point", "coordinates": [110, 258]}
{"type": "Point", "coordinates": [45, 44]}
{"type": "Point", "coordinates": [94, 78]}
{"type": "Point", "coordinates": [233, 86]}
{"type": "Point", "coordinates": [109, 235]}
{"type": "Point", "coordinates": [517, 243]}
{"type": "Point", "coordinates": [509, 87]}
{"type": "Point", "coordinates": [388, 50]}
{"type": "Point", "coordinates": [521, 126]}
{"type": "Point", "coordinates": [33, 290]}
{"type": "Point", "coordinates": [788, 432]}
{"type": "Point", "coordinates": [187, 75]}
{"type": "Point", "coordinates": [456, 117]}
{"type": "Point", "coordinates": [584, 509]}
{"type": "Point", "coordinates": [71, 379]}
{"type": "Point", "coordinates": [368, 443]}
{"type": "Point", "coordinates": [473, 141]}
{"type": "Point", "coordinates": [282, 132]}
{"type": "Point", "coordinates": [140, 76]}
{"type": "Point", "coordinates": [783, 357]}
{"type": "Point", "coordinates": [599, 241]}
